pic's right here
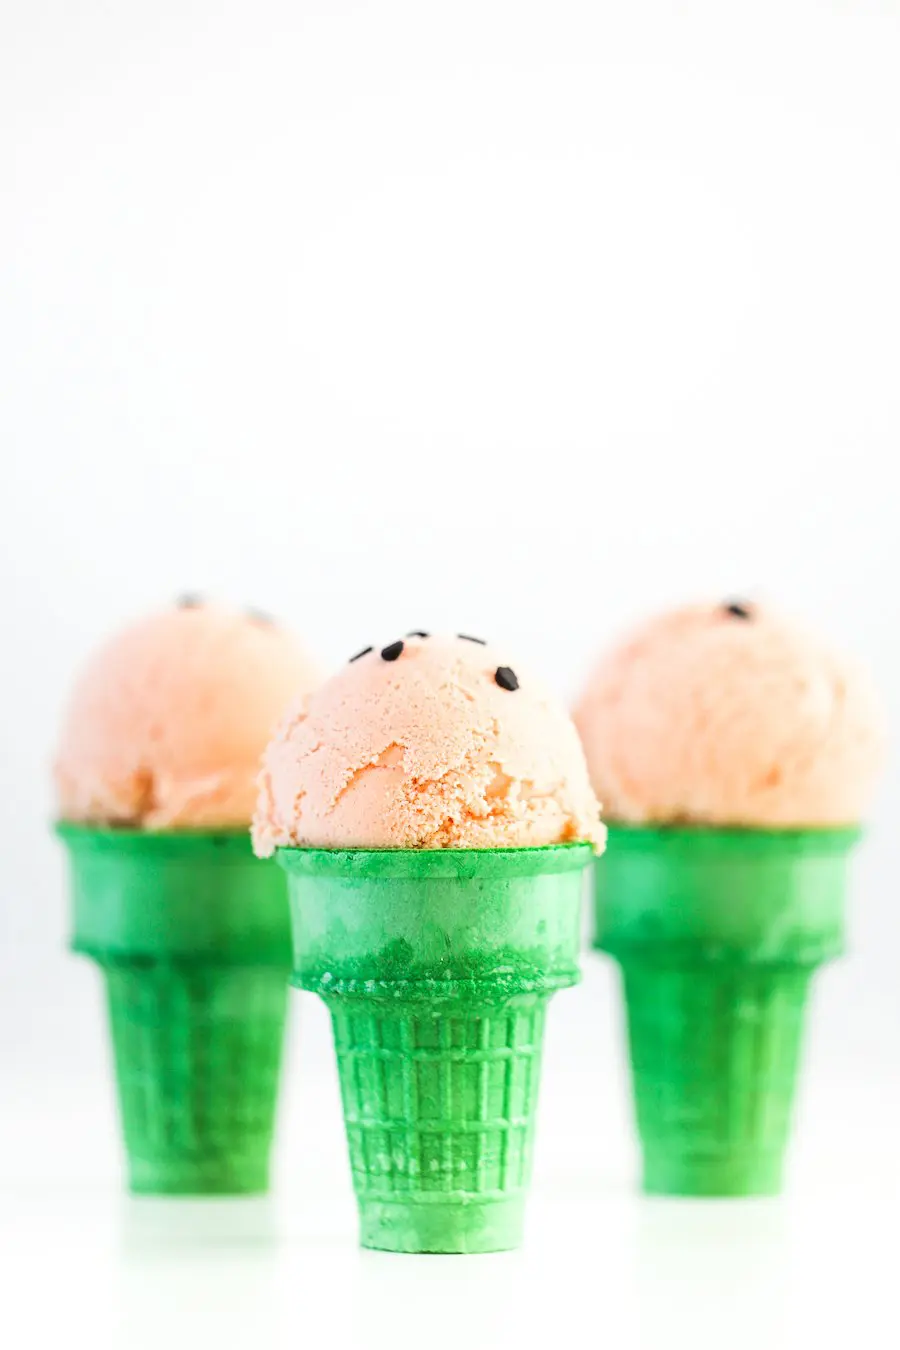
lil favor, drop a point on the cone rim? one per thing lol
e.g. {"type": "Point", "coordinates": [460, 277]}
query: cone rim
{"type": "Point", "coordinates": [131, 840]}
{"type": "Point", "coordinates": [640, 837]}
{"type": "Point", "coordinates": [423, 863]}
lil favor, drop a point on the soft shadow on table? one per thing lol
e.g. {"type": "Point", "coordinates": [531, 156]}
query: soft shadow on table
{"type": "Point", "coordinates": [446, 1300]}
{"type": "Point", "coordinates": [711, 1272]}
{"type": "Point", "coordinates": [152, 1226]}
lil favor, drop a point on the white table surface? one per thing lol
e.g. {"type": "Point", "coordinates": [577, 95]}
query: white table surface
{"type": "Point", "coordinates": [82, 1264]}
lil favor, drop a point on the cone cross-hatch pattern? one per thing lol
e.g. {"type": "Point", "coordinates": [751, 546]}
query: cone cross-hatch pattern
{"type": "Point", "coordinates": [437, 967]}
{"type": "Point", "coordinates": [718, 933]}
{"type": "Point", "coordinates": [715, 1056]}
{"type": "Point", "coordinates": [192, 935]}
{"type": "Point", "coordinates": [438, 1105]}
{"type": "Point", "coordinates": [197, 1055]}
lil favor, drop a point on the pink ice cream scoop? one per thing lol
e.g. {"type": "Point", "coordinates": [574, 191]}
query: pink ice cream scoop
{"type": "Point", "coordinates": [166, 725]}
{"type": "Point", "coordinates": [429, 742]}
{"type": "Point", "coordinates": [729, 714]}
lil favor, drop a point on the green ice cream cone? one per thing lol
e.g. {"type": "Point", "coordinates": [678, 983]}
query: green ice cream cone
{"type": "Point", "coordinates": [192, 934]}
{"type": "Point", "coordinates": [437, 967]}
{"type": "Point", "coordinates": [718, 933]}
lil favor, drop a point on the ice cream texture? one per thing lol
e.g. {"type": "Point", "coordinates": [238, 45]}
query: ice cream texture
{"type": "Point", "coordinates": [730, 714]}
{"type": "Point", "coordinates": [165, 727]}
{"type": "Point", "coordinates": [429, 742]}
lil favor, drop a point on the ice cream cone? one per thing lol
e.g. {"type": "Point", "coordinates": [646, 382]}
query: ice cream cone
{"type": "Point", "coordinates": [718, 933]}
{"type": "Point", "coordinates": [191, 932]}
{"type": "Point", "coordinates": [437, 966]}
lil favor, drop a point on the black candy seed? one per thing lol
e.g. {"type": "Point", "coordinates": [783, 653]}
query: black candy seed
{"type": "Point", "coordinates": [365, 652]}
{"type": "Point", "coordinates": [506, 678]}
{"type": "Point", "coordinates": [417, 633]}
{"type": "Point", "coordinates": [467, 638]}
{"type": "Point", "coordinates": [189, 601]}
{"type": "Point", "coordinates": [738, 610]}
{"type": "Point", "coordinates": [392, 651]}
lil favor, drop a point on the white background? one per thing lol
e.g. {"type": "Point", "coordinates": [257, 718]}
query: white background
{"type": "Point", "coordinates": [513, 318]}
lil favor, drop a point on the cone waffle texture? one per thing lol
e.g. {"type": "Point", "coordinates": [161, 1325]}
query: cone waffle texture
{"type": "Point", "coordinates": [197, 1058]}
{"type": "Point", "coordinates": [437, 970]}
{"type": "Point", "coordinates": [440, 1113]}
{"type": "Point", "coordinates": [192, 935]}
{"type": "Point", "coordinates": [718, 934]}
{"type": "Point", "coordinates": [714, 1054]}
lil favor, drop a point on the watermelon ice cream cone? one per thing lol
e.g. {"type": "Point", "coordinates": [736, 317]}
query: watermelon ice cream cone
{"type": "Point", "coordinates": [433, 814]}
{"type": "Point", "coordinates": [155, 777]}
{"type": "Point", "coordinates": [736, 756]}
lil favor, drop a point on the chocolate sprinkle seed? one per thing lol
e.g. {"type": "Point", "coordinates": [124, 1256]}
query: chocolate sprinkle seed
{"type": "Point", "coordinates": [392, 651]}
{"type": "Point", "coordinates": [506, 678]}
{"type": "Point", "coordinates": [738, 610]}
{"type": "Point", "coordinates": [365, 652]}
{"type": "Point", "coordinates": [416, 633]}
{"type": "Point", "coordinates": [466, 638]}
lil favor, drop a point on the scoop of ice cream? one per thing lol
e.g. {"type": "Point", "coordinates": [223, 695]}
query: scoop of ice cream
{"type": "Point", "coordinates": [429, 742]}
{"type": "Point", "coordinates": [166, 725]}
{"type": "Point", "coordinates": [730, 714]}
